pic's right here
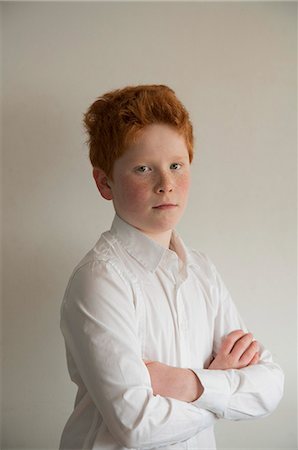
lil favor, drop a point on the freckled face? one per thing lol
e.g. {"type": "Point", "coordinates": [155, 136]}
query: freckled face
{"type": "Point", "coordinates": [151, 180]}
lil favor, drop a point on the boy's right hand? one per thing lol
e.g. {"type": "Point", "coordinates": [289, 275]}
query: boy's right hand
{"type": "Point", "coordinates": [237, 350]}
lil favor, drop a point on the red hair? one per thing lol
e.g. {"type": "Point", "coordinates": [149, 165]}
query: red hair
{"type": "Point", "coordinates": [114, 120]}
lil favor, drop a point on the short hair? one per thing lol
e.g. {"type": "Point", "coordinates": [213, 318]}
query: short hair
{"type": "Point", "coordinates": [114, 120]}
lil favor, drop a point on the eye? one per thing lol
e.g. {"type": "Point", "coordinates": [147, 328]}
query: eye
{"type": "Point", "coordinates": [176, 166]}
{"type": "Point", "coordinates": [142, 169]}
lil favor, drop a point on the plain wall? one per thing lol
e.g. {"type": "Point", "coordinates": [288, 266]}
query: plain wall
{"type": "Point", "coordinates": [234, 67]}
{"type": "Point", "coordinates": [1, 196]}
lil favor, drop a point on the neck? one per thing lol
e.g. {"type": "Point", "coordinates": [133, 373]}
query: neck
{"type": "Point", "coordinates": [162, 239]}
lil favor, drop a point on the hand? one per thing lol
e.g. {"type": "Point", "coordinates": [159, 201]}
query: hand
{"type": "Point", "coordinates": [238, 350]}
{"type": "Point", "coordinates": [174, 382]}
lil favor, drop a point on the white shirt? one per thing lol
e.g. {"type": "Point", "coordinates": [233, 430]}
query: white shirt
{"type": "Point", "coordinates": [130, 299]}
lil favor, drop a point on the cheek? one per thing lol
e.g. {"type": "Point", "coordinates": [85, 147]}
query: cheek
{"type": "Point", "coordinates": [134, 193]}
{"type": "Point", "coordinates": [183, 183]}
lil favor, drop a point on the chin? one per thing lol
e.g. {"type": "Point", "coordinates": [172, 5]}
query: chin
{"type": "Point", "coordinates": [164, 227]}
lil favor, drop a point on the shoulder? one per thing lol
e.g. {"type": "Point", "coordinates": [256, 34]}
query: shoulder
{"type": "Point", "coordinates": [104, 257]}
{"type": "Point", "coordinates": [100, 270]}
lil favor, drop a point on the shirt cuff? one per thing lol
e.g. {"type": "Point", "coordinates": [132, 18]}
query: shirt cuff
{"type": "Point", "coordinates": [217, 391]}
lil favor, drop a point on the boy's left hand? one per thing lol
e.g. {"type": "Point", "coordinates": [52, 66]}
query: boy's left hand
{"type": "Point", "coordinates": [238, 350]}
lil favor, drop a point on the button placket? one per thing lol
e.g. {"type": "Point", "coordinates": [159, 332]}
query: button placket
{"type": "Point", "coordinates": [181, 313]}
{"type": "Point", "coordinates": [183, 330]}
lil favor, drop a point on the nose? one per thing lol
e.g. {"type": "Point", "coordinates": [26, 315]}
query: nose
{"type": "Point", "coordinates": [164, 183]}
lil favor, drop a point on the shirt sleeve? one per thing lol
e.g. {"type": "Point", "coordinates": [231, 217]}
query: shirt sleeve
{"type": "Point", "coordinates": [98, 322]}
{"type": "Point", "coordinates": [246, 393]}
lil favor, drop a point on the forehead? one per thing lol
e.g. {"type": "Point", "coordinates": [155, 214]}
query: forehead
{"type": "Point", "coordinates": [157, 139]}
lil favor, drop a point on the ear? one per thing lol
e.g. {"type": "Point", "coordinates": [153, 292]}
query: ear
{"type": "Point", "coordinates": [102, 183]}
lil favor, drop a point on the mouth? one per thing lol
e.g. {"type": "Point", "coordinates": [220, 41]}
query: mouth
{"type": "Point", "coordinates": [165, 206]}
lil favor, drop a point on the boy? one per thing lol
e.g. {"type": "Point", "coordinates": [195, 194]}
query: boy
{"type": "Point", "coordinates": [153, 339]}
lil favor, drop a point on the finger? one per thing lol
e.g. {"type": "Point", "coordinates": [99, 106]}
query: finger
{"type": "Point", "coordinates": [230, 340]}
{"type": "Point", "coordinates": [147, 361]}
{"type": "Point", "coordinates": [255, 359]}
{"type": "Point", "coordinates": [241, 346]}
{"type": "Point", "coordinates": [249, 354]}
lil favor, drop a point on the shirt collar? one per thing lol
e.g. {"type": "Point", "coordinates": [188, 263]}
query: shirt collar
{"type": "Point", "coordinates": [145, 250]}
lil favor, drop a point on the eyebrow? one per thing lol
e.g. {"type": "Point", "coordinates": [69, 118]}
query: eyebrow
{"type": "Point", "coordinates": [147, 158]}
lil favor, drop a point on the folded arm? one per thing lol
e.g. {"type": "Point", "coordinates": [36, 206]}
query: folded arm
{"type": "Point", "coordinates": [237, 385]}
{"type": "Point", "coordinates": [242, 381]}
{"type": "Point", "coordinates": [238, 350]}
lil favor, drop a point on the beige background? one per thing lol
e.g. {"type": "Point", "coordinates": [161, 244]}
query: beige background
{"type": "Point", "coordinates": [234, 67]}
